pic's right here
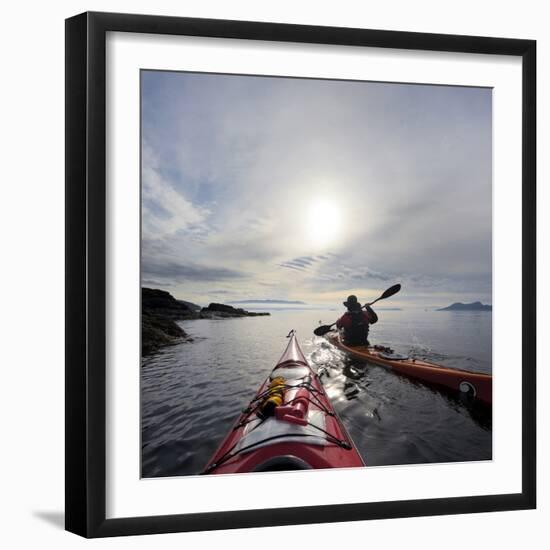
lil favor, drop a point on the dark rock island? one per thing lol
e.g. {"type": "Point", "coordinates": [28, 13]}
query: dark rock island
{"type": "Point", "coordinates": [190, 305]}
{"type": "Point", "coordinates": [221, 310]}
{"type": "Point", "coordinates": [160, 311]}
{"type": "Point", "coordinates": [474, 306]}
{"type": "Point", "coordinates": [162, 304]}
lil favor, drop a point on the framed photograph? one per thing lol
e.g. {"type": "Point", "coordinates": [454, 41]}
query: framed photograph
{"type": "Point", "coordinates": [297, 259]}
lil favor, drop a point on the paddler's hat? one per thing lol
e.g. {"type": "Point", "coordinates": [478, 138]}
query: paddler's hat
{"type": "Point", "coordinates": [352, 304]}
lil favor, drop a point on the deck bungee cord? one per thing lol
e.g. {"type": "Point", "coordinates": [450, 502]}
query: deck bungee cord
{"type": "Point", "coordinates": [228, 456]}
{"type": "Point", "coordinates": [289, 424]}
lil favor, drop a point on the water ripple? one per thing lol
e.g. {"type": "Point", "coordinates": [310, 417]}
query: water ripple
{"type": "Point", "coordinates": [192, 392]}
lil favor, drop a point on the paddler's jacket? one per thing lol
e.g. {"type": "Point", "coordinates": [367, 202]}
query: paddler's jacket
{"type": "Point", "coordinates": [356, 325]}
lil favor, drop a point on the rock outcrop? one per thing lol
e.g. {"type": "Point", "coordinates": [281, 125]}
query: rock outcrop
{"type": "Point", "coordinates": [190, 305]}
{"type": "Point", "coordinates": [222, 310]}
{"type": "Point", "coordinates": [157, 331]}
{"type": "Point", "coordinates": [159, 311]}
{"type": "Point", "coordinates": [163, 304]}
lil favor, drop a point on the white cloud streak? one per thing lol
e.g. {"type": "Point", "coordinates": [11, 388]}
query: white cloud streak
{"type": "Point", "coordinates": [232, 166]}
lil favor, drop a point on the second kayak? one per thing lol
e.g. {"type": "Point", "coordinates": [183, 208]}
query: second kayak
{"type": "Point", "coordinates": [290, 424]}
{"type": "Point", "coordinates": [477, 385]}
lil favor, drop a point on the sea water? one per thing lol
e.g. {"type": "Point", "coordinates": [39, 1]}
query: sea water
{"type": "Point", "coordinates": [192, 392]}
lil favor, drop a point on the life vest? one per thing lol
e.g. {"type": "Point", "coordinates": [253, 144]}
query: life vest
{"type": "Point", "coordinates": [357, 332]}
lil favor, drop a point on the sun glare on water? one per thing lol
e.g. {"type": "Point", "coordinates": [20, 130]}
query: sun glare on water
{"type": "Point", "coordinates": [324, 223]}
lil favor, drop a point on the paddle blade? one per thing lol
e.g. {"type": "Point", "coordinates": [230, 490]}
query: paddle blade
{"type": "Point", "coordinates": [322, 330]}
{"type": "Point", "coordinates": [390, 291]}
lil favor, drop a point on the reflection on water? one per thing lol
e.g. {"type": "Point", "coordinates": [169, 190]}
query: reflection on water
{"type": "Point", "coordinates": [193, 392]}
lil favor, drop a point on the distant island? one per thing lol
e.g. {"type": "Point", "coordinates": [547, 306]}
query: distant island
{"type": "Point", "coordinates": [221, 311]}
{"type": "Point", "coordinates": [160, 311]}
{"type": "Point", "coordinates": [474, 306]}
{"type": "Point", "coordinates": [284, 302]}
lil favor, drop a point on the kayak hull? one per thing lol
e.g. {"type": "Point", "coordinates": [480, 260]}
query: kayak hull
{"type": "Point", "coordinates": [256, 444]}
{"type": "Point", "coordinates": [477, 385]}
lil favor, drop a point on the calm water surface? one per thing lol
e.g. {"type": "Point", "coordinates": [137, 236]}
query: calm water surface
{"type": "Point", "coordinates": [192, 392]}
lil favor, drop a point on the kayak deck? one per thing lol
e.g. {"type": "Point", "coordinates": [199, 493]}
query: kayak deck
{"type": "Point", "coordinates": [474, 384]}
{"type": "Point", "coordinates": [302, 432]}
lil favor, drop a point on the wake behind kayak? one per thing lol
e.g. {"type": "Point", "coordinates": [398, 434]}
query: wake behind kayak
{"type": "Point", "coordinates": [290, 424]}
{"type": "Point", "coordinates": [476, 385]}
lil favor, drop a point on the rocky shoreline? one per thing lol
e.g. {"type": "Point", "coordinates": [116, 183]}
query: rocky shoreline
{"type": "Point", "coordinates": [160, 311]}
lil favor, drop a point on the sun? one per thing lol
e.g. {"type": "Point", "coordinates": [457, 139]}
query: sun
{"type": "Point", "coordinates": [323, 222]}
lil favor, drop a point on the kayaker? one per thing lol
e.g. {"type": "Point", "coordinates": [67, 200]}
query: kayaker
{"type": "Point", "coordinates": [356, 321]}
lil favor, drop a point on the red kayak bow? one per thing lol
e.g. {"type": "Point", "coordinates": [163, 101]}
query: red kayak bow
{"type": "Point", "coordinates": [289, 425]}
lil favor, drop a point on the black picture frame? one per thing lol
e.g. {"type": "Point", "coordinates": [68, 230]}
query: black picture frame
{"type": "Point", "coordinates": [86, 283]}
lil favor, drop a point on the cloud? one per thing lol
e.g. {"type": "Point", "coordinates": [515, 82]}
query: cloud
{"type": "Point", "coordinates": [187, 272]}
{"type": "Point", "coordinates": [370, 274]}
{"type": "Point", "coordinates": [289, 265]}
{"type": "Point", "coordinates": [233, 167]}
{"type": "Point", "coordinates": [302, 263]}
{"type": "Point", "coordinates": [268, 301]}
{"type": "Point", "coordinates": [165, 209]}
{"type": "Point", "coordinates": [154, 283]}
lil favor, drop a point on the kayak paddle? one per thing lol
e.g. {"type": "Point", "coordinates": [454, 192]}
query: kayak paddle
{"type": "Point", "coordinates": [323, 329]}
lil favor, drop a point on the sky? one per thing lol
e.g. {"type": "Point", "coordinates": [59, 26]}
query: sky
{"type": "Point", "coordinates": [269, 188]}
